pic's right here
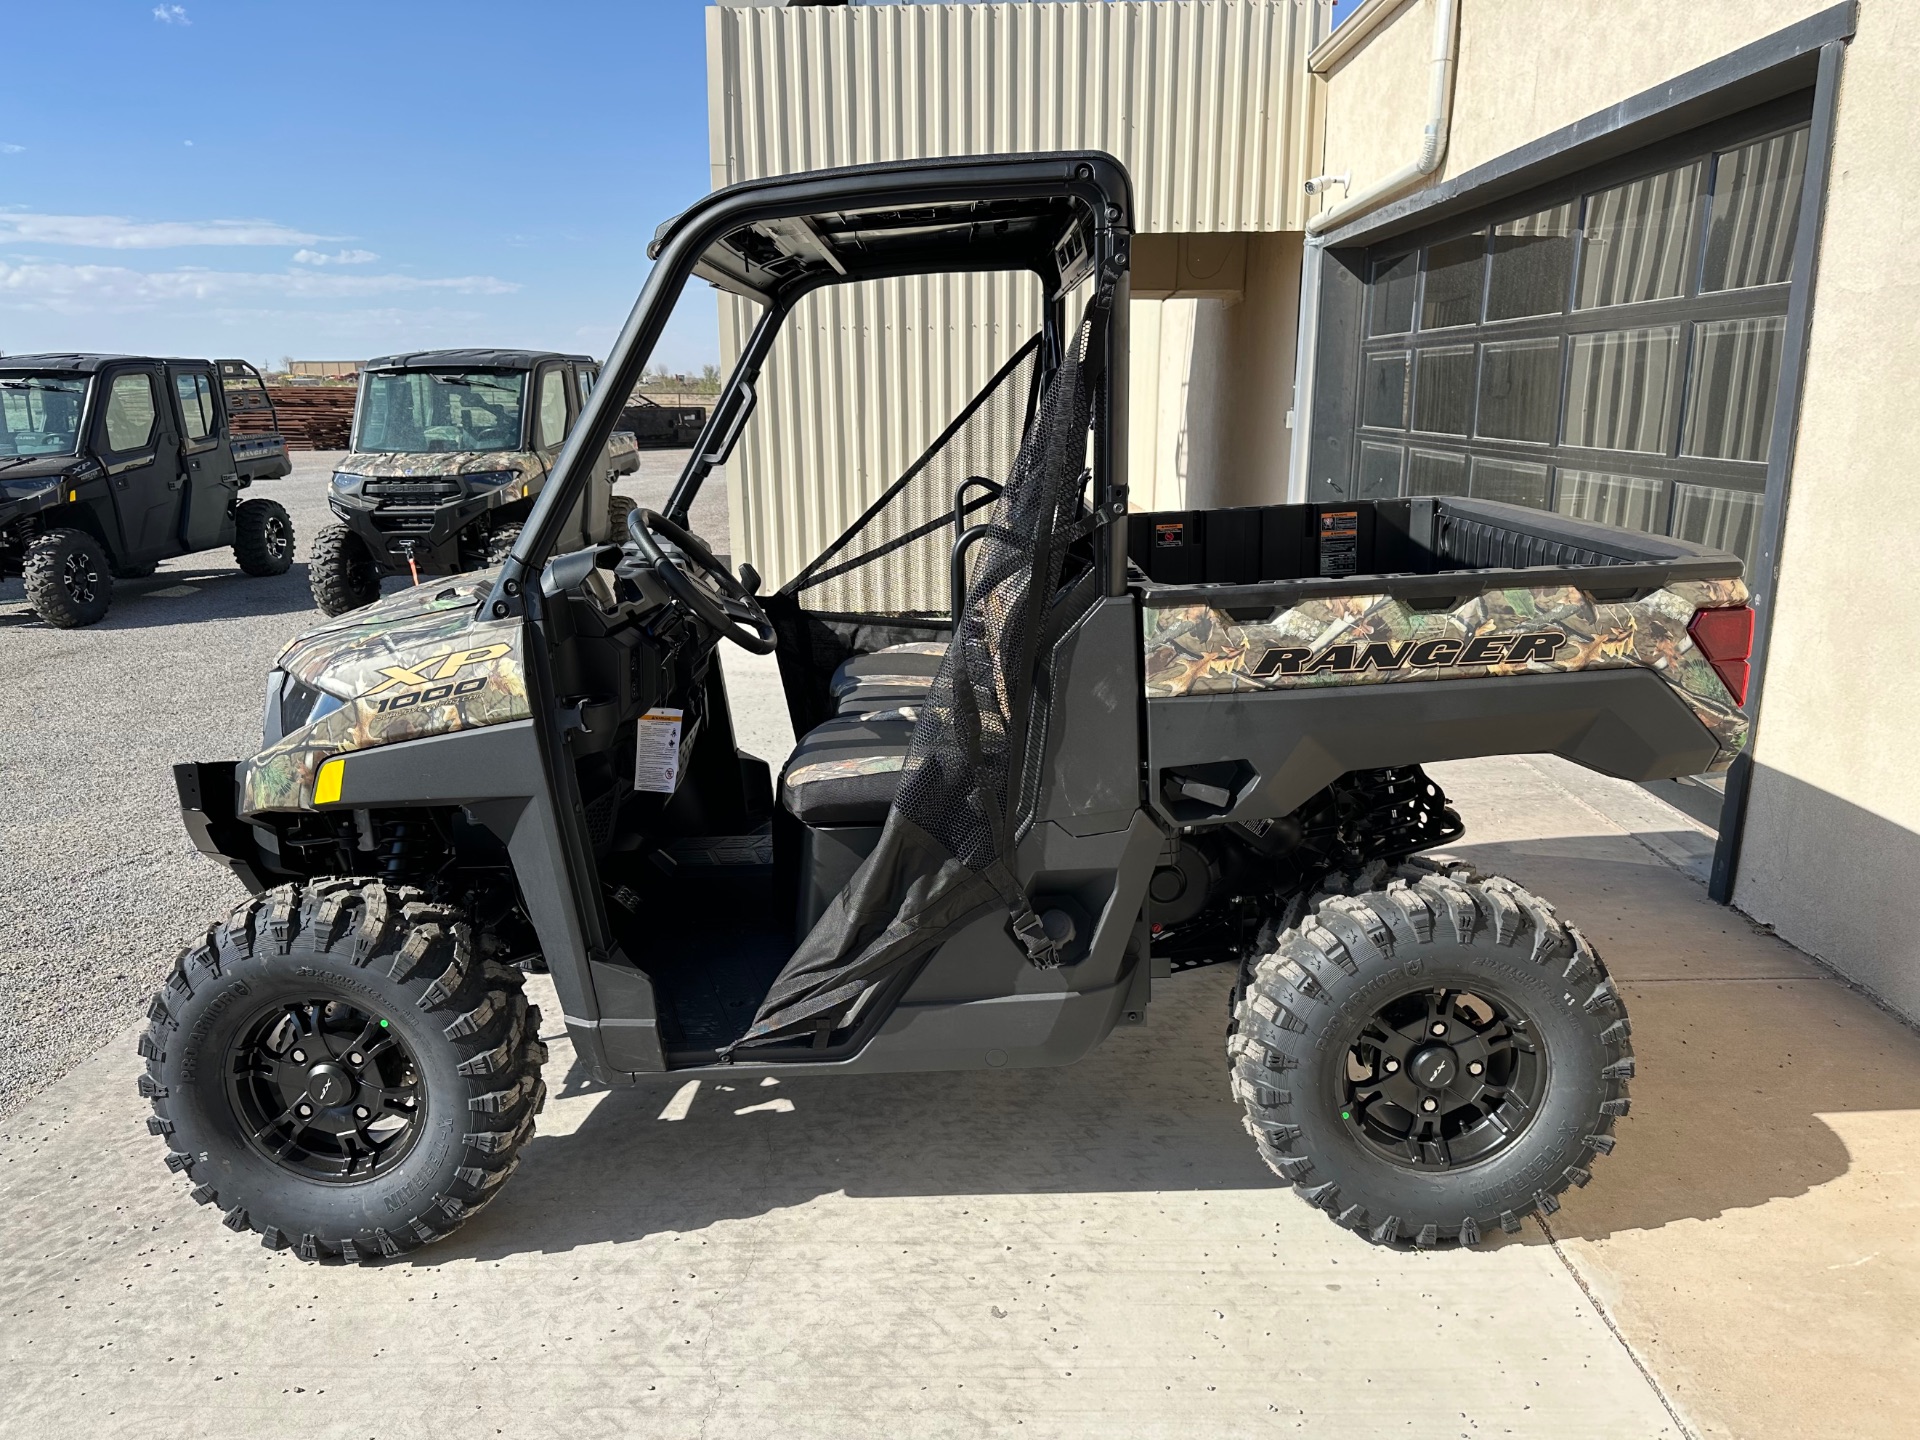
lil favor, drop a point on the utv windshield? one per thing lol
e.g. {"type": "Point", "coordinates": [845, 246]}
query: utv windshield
{"type": "Point", "coordinates": [40, 414]}
{"type": "Point", "coordinates": [414, 411]}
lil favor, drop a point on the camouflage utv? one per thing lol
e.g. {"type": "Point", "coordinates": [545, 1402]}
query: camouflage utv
{"type": "Point", "coordinates": [1052, 752]}
{"type": "Point", "coordinates": [451, 449]}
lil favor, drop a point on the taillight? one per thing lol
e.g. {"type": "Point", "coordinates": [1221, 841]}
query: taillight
{"type": "Point", "coordinates": [1725, 637]}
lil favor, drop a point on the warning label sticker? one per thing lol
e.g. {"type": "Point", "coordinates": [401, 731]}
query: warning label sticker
{"type": "Point", "coordinates": [656, 765]}
{"type": "Point", "coordinates": [1169, 534]}
{"type": "Point", "coordinates": [1339, 542]}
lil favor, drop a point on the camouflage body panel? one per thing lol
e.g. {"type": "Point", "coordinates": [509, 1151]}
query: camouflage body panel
{"type": "Point", "coordinates": [623, 458]}
{"type": "Point", "coordinates": [418, 663]}
{"type": "Point", "coordinates": [1199, 650]}
{"type": "Point", "coordinates": [397, 465]}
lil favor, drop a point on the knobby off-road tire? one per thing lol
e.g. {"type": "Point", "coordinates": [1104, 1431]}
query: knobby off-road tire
{"type": "Point", "coordinates": [263, 537]}
{"type": "Point", "coordinates": [341, 571]}
{"type": "Point", "coordinates": [68, 580]}
{"type": "Point", "coordinates": [1325, 1012]}
{"type": "Point", "coordinates": [391, 1008]}
{"type": "Point", "coordinates": [619, 511]}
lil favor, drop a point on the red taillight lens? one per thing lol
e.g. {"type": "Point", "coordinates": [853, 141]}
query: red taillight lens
{"type": "Point", "coordinates": [1725, 637]}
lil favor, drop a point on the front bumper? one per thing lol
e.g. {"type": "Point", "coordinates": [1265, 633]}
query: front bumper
{"type": "Point", "coordinates": [428, 535]}
{"type": "Point", "coordinates": [209, 810]}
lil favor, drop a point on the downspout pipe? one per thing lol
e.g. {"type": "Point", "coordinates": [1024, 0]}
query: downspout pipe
{"type": "Point", "coordinates": [1433, 150]}
{"type": "Point", "coordinates": [1433, 139]}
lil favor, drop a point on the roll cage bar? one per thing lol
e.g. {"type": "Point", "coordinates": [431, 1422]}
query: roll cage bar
{"type": "Point", "coordinates": [1062, 215]}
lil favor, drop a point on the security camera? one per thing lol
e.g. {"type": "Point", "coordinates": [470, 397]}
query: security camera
{"type": "Point", "coordinates": [1319, 184]}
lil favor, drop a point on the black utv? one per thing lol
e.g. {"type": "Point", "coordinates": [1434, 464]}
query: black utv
{"type": "Point", "coordinates": [1051, 752]}
{"type": "Point", "coordinates": [451, 448]}
{"type": "Point", "coordinates": [110, 464]}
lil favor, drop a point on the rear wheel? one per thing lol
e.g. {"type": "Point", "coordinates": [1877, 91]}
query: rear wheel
{"type": "Point", "coordinates": [341, 1068]}
{"type": "Point", "coordinates": [67, 578]}
{"type": "Point", "coordinates": [263, 537]}
{"type": "Point", "coordinates": [1431, 1060]}
{"type": "Point", "coordinates": [341, 571]}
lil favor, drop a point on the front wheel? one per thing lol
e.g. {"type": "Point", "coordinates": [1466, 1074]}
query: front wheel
{"type": "Point", "coordinates": [263, 537]}
{"type": "Point", "coordinates": [67, 579]}
{"type": "Point", "coordinates": [341, 1068]}
{"type": "Point", "coordinates": [341, 572]}
{"type": "Point", "coordinates": [1431, 1061]}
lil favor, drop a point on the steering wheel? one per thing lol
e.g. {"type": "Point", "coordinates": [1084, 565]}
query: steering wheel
{"type": "Point", "coordinates": [710, 591]}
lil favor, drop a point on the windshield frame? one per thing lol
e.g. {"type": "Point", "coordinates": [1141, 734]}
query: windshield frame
{"type": "Point", "coordinates": [1096, 180]}
{"type": "Point", "coordinates": [363, 410]}
{"type": "Point", "coordinates": [85, 381]}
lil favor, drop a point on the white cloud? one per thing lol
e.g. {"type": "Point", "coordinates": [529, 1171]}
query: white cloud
{"type": "Point", "coordinates": [6, 149]}
{"type": "Point", "coordinates": [171, 14]}
{"type": "Point", "coordinates": [111, 289]}
{"type": "Point", "coordinates": [339, 257]}
{"type": "Point", "coordinates": [117, 232]}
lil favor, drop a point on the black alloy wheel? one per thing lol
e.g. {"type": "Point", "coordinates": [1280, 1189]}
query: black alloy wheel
{"type": "Point", "coordinates": [326, 1090]}
{"type": "Point", "coordinates": [80, 577]}
{"type": "Point", "coordinates": [1439, 1078]}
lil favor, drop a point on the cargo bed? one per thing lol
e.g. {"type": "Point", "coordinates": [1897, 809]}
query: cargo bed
{"type": "Point", "coordinates": [1305, 641]}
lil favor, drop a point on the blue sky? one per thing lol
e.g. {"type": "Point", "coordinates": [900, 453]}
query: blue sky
{"type": "Point", "coordinates": [333, 181]}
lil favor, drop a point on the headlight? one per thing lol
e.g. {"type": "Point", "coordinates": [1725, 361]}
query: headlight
{"type": "Point", "coordinates": [479, 481]}
{"type": "Point", "coordinates": [344, 482]}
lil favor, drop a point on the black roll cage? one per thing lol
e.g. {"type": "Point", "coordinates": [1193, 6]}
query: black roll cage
{"type": "Point", "coordinates": [1094, 179]}
{"type": "Point", "coordinates": [683, 246]}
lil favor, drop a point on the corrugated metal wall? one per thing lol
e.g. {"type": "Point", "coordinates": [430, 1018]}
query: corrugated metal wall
{"type": "Point", "coordinates": [1204, 100]}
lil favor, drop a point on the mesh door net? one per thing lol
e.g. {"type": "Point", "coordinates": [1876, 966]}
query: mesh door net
{"type": "Point", "coordinates": [947, 849]}
{"type": "Point", "coordinates": [893, 559]}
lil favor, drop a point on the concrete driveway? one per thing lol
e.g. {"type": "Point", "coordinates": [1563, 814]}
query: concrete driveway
{"type": "Point", "coordinates": [1091, 1251]}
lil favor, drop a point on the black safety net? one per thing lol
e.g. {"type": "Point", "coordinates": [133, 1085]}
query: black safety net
{"type": "Point", "coordinates": [946, 853]}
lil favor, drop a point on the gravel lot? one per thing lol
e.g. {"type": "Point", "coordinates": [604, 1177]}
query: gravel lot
{"type": "Point", "coordinates": [98, 885]}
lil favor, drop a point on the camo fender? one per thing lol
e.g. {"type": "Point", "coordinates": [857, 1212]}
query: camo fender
{"type": "Point", "coordinates": [417, 664]}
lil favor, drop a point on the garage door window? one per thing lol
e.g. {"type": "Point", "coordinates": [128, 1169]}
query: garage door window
{"type": "Point", "coordinates": [1611, 352]}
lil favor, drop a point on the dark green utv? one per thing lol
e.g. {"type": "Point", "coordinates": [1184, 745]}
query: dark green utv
{"type": "Point", "coordinates": [110, 464]}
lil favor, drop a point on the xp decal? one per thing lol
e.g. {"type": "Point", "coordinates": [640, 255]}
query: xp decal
{"type": "Point", "coordinates": [416, 664]}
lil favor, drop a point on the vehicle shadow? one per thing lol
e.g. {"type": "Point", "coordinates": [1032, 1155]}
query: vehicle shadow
{"type": "Point", "coordinates": [181, 595]}
{"type": "Point", "coordinates": [1734, 1077]}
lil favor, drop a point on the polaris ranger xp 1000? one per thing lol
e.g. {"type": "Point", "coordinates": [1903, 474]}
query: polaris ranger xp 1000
{"type": "Point", "coordinates": [451, 448]}
{"type": "Point", "coordinates": [1049, 748]}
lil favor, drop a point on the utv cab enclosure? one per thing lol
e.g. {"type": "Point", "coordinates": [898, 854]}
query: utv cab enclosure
{"type": "Point", "coordinates": [1050, 750]}
{"type": "Point", "coordinates": [110, 464]}
{"type": "Point", "coordinates": [451, 448]}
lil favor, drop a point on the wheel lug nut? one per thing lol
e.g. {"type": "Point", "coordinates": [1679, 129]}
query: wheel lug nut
{"type": "Point", "coordinates": [306, 1110]}
{"type": "Point", "coordinates": [1439, 1027]}
{"type": "Point", "coordinates": [1392, 1065]}
{"type": "Point", "coordinates": [1475, 1068]}
{"type": "Point", "coordinates": [361, 1111]}
{"type": "Point", "coordinates": [299, 1057]}
{"type": "Point", "coordinates": [1429, 1104]}
{"type": "Point", "coordinates": [356, 1058]}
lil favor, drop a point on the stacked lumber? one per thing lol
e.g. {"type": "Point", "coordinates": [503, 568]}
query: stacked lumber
{"type": "Point", "coordinates": [312, 417]}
